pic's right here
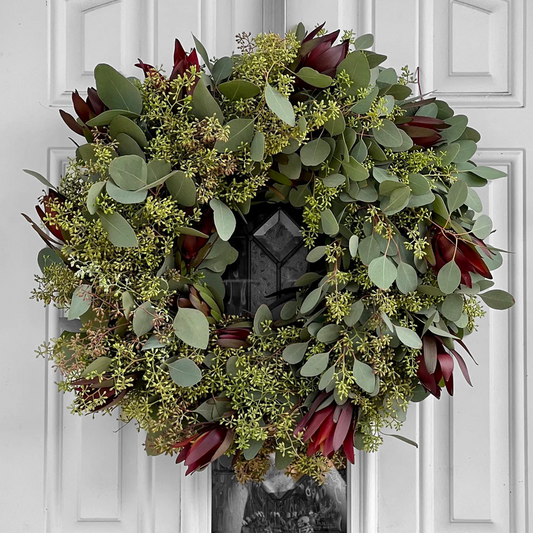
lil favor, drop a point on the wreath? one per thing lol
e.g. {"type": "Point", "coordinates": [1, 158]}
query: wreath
{"type": "Point", "coordinates": [140, 235]}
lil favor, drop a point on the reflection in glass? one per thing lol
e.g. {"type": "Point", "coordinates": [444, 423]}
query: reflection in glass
{"type": "Point", "coordinates": [278, 504]}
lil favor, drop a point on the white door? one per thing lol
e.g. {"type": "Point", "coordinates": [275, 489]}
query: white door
{"type": "Point", "coordinates": [62, 473]}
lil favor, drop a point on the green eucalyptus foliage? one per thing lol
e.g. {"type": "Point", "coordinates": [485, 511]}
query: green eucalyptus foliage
{"type": "Point", "coordinates": [339, 149]}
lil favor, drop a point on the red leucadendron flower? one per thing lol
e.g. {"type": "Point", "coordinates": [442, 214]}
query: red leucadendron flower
{"type": "Point", "coordinates": [435, 365]}
{"type": "Point", "coordinates": [319, 53]}
{"type": "Point", "coordinates": [200, 450]}
{"type": "Point", "coordinates": [447, 246]}
{"type": "Point", "coordinates": [424, 131]}
{"type": "Point", "coordinates": [86, 109]}
{"type": "Point", "coordinates": [329, 428]}
{"type": "Point", "coordinates": [183, 62]}
{"type": "Point", "coordinates": [100, 389]}
{"type": "Point", "coordinates": [233, 337]}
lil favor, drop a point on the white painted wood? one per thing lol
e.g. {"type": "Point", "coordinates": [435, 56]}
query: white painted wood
{"type": "Point", "coordinates": [61, 473]}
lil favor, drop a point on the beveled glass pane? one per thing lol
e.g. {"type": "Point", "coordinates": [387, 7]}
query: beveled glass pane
{"type": "Point", "coordinates": [294, 268]}
{"type": "Point", "coordinates": [278, 504]}
{"type": "Point", "coordinates": [279, 235]}
{"type": "Point", "coordinates": [263, 277]}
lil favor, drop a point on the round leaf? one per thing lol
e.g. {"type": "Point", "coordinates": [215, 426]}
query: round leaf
{"type": "Point", "coordinates": [181, 188]}
{"type": "Point", "coordinates": [407, 279]}
{"type": "Point", "coordinates": [241, 132]}
{"type": "Point", "coordinates": [225, 222]}
{"type": "Point", "coordinates": [143, 319]}
{"type": "Point", "coordinates": [329, 222]}
{"type": "Point", "coordinates": [184, 372]}
{"type": "Point", "coordinates": [129, 172]}
{"type": "Point", "coordinates": [408, 337]}
{"type": "Point", "coordinates": [382, 272]}
{"type": "Point", "coordinates": [482, 227]}
{"type": "Point", "coordinates": [498, 299]}
{"type": "Point", "coordinates": [261, 315]}
{"type": "Point", "coordinates": [238, 89]}
{"type": "Point", "coordinates": [457, 195]}
{"type": "Point", "coordinates": [315, 365]}
{"type": "Point", "coordinates": [311, 301]}
{"type": "Point", "coordinates": [116, 91]}
{"type": "Point", "coordinates": [92, 195]}
{"type": "Point", "coordinates": [122, 196]}
{"type": "Point", "coordinates": [294, 353]}
{"type": "Point", "coordinates": [191, 326]}
{"type": "Point", "coordinates": [364, 376]}
{"type": "Point", "coordinates": [119, 232]}
{"type": "Point", "coordinates": [314, 78]}
{"type": "Point", "coordinates": [81, 301]}
{"type": "Point", "coordinates": [329, 333]}
{"type": "Point", "coordinates": [279, 105]}
{"type": "Point", "coordinates": [452, 307]}
{"type": "Point", "coordinates": [314, 152]}
{"type": "Point", "coordinates": [388, 135]}
{"type": "Point", "coordinates": [257, 150]}
{"type": "Point", "coordinates": [449, 277]}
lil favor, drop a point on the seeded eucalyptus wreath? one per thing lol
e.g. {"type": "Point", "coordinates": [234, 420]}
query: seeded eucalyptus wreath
{"type": "Point", "coordinates": [140, 235]}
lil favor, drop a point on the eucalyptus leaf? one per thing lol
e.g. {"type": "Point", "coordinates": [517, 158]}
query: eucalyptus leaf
{"type": "Point", "coordinates": [364, 376]}
{"type": "Point", "coordinates": [98, 366]}
{"type": "Point", "coordinates": [116, 91]}
{"type": "Point", "coordinates": [181, 188]}
{"type": "Point", "coordinates": [185, 372]}
{"type": "Point", "coordinates": [314, 78]}
{"type": "Point", "coordinates": [497, 299]}
{"type": "Point", "coordinates": [334, 180]}
{"type": "Point", "coordinates": [482, 227]}
{"type": "Point", "coordinates": [222, 69]}
{"type": "Point", "coordinates": [355, 170]}
{"type": "Point", "coordinates": [47, 257]}
{"type": "Point", "coordinates": [408, 337]}
{"type": "Point", "coordinates": [122, 196]}
{"type": "Point", "coordinates": [452, 307]}
{"type": "Point", "coordinates": [356, 66]}
{"type": "Point", "coordinates": [397, 201]}
{"type": "Point", "coordinates": [329, 333]}
{"type": "Point", "coordinates": [314, 152]}
{"type": "Point", "coordinates": [81, 301]}
{"type": "Point", "coordinates": [93, 194]}
{"type": "Point", "coordinates": [191, 326]}
{"type": "Point", "coordinates": [263, 314]}
{"type": "Point", "coordinates": [356, 311]}
{"type": "Point", "coordinates": [311, 301]}
{"type": "Point", "coordinates": [407, 279]}
{"type": "Point", "coordinates": [457, 195]}
{"type": "Point", "coordinates": [241, 132]}
{"type": "Point", "coordinates": [329, 222]}
{"type": "Point", "coordinates": [41, 178]}
{"type": "Point", "coordinates": [315, 365]}
{"type": "Point", "coordinates": [122, 124]}
{"type": "Point", "coordinates": [488, 173]}
{"type": "Point", "coordinates": [203, 103]}
{"type": "Point", "coordinates": [129, 172]}
{"type": "Point", "coordinates": [388, 135]}
{"type": "Point", "coordinates": [353, 244]}
{"type": "Point", "coordinates": [202, 51]}
{"type": "Point", "coordinates": [157, 169]}
{"type": "Point", "coordinates": [382, 272]}
{"type": "Point", "coordinates": [257, 150]}
{"type": "Point", "coordinates": [238, 89]}
{"type": "Point", "coordinates": [279, 105]}
{"type": "Point", "coordinates": [143, 319]}
{"type": "Point", "coordinates": [118, 230]}
{"type": "Point", "coordinates": [294, 353]}
{"type": "Point", "coordinates": [316, 254]}
{"type": "Point", "coordinates": [449, 277]}
{"type": "Point", "coordinates": [225, 222]}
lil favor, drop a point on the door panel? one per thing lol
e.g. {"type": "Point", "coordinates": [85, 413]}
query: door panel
{"type": "Point", "coordinates": [468, 474]}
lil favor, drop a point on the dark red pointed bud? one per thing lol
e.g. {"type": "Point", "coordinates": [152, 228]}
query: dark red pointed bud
{"type": "Point", "coordinates": [71, 122]}
{"type": "Point", "coordinates": [93, 100]}
{"type": "Point", "coordinates": [148, 70]}
{"type": "Point", "coordinates": [314, 33]}
{"type": "Point", "coordinates": [81, 107]}
{"type": "Point", "coordinates": [179, 52]}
